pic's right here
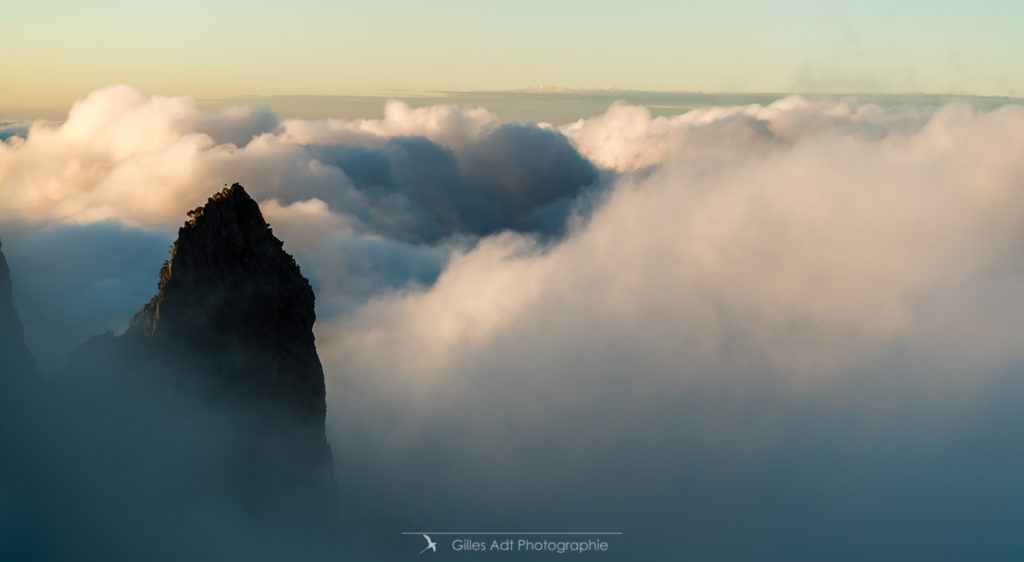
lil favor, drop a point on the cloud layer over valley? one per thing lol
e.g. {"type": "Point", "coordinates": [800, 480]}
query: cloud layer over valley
{"type": "Point", "coordinates": [772, 330]}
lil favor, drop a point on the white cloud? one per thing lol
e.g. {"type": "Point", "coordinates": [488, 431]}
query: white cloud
{"type": "Point", "coordinates": [760, 283]}
{"type": "Point", "coordinates": [627, 137]}
{"type": "Point", "coordinates": [445, 124]}
{"type": "Point", "coordinates": [858, 267]}
{"type": "Point", "coordinates": [841, 236]}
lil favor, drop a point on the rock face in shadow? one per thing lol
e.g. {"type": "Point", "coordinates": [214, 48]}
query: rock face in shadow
{"type": "Point", "coordinates": [231, 298]}
{"type": "Point", "coordinates": [231, 330]}
{"type": "Point", "coordinates": [20, 439]}
{"type": "Point", "coordinates": [16, 363]}
{"type": "Point", "coordinates": [199, 433]}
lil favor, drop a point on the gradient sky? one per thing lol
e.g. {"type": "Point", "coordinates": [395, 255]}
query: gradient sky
{"type": "Point", "coordinates": [55, 51]}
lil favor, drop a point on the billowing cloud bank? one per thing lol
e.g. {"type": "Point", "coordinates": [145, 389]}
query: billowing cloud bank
{"type": "Point", "coordinates": [786, 331]}
{"type": "Point", "coordinates": [365, 205]}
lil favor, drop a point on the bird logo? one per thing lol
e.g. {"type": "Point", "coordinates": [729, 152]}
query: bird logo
{"type": "Point", "coordinates": [431, 545]}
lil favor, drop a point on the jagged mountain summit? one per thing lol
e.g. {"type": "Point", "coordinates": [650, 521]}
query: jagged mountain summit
{"type": "Point", "coordinates": [233, 297]}
{"type": "Point", "coordinates": [199, 433]}
{"type": "Point", "coordinates": [232, 324]}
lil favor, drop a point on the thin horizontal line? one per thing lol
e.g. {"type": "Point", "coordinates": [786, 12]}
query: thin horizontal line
{"type": "Point", "coordinates": [512, 532]}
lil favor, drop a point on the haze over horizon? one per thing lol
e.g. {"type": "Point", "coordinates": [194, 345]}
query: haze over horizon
{"type": "Point", "coordinates": [221, 50]}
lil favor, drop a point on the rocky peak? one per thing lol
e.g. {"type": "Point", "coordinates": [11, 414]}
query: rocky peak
{"type": "Point", "coordinates": [198, 432]}
{"type": "Point", "coordinates": [233, 301]}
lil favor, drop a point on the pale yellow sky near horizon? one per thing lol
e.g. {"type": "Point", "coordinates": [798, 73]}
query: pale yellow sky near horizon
{"type": "Point", "coordinates": [60, 50]}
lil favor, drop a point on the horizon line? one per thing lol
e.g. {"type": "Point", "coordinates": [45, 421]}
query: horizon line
{"type": "Point", "coordinates": [383, 93]}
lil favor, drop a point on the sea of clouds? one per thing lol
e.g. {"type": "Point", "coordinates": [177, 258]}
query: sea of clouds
{"type": "Point", "coordinates": [791, 329]}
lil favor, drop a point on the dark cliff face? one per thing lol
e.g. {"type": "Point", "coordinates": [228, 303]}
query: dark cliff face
{"type": "Point", "coordinates": [199, 433]}
{"type": "Point", "coordinates": [231, 329]}
{"type": "Point", "coordinates": [20, 436]}
{"type": "Point", "coordinates": [16, 363]}
{"type": "Point", "coordinates": [234, 307]}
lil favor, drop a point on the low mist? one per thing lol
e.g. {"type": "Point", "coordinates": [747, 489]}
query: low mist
{"type": "Point", "coordinates": [782, 331]}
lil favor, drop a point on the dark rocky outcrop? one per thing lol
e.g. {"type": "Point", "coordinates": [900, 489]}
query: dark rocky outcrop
{"type": "Point", "coordinates": [20, 437]}
{"type": "Point", "coordinates": [235, 303]}
{"type": "Point", "coordinates": [199, 433]}
{"type": "Point", "coordinates": [233, 321]}
{"type": "Point", "coordinates": [231, 326]}
{"type": "Point", "coordinates": [16, 363]}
